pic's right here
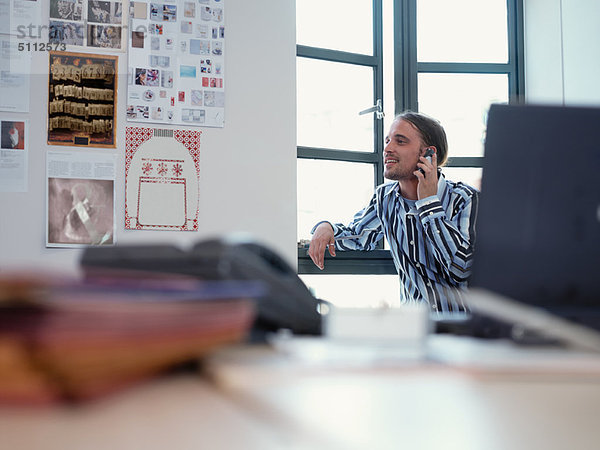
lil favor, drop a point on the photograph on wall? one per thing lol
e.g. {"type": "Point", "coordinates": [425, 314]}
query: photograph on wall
{"type": "Point", "coordinates": [162, 170]}
{"type": "Point", "coordinates": [80, 199]}
{"type": "Point", "coordinates": [14, 151]}
{"type": "Point", "coordinates": [82, 99]}
{"type": "Point", "coordinates": [176, 62]}
{"type": "Point", "coordinates": [87, 23]}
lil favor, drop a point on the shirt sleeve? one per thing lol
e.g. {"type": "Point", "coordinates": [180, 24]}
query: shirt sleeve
{"type": "Point", "coordinates": [362, 233]}
{"type": "Point", "coordinates": [452, 231]}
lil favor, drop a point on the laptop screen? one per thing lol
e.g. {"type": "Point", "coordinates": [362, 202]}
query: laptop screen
{"type": "Point", "coordinates": [538, 225]}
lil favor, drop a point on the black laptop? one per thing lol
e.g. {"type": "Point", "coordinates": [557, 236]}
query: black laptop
{"type": "Point", "coordinates": [537, 255]}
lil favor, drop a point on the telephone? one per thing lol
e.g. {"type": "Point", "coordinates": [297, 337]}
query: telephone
{"type": "Point", "coordinates": [287, 303]}
{"type": "Point", "coordinates": [429, 152]}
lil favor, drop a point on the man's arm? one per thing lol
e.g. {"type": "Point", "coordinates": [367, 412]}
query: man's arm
{"type": "Point", "coordinates": [452, 236]}
{"type": "Point", "coordinates": [362, 233]}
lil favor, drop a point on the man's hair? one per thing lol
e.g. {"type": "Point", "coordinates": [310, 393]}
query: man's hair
{"type": "Point", "coordinates": [431, 131]}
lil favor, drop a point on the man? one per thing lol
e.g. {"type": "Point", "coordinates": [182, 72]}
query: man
{"type": "Point", "coordinates": [428, 221]}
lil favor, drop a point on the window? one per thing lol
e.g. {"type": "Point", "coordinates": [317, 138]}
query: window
{"type": "Point", "coordinates": [450, 60]}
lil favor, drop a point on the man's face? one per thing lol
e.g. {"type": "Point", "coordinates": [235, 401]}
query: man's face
{"type": "Point", "coordinates": [403, 147]}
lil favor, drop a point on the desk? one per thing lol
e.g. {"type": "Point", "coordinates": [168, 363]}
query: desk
{"type": "Point", "coordinates": [415, 405]}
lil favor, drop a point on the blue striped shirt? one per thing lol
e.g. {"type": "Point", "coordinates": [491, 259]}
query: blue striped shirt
{"type": "Point", "coordinates": [431, 241]}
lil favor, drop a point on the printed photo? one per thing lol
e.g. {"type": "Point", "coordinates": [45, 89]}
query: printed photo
{"type": "Point", "coordinates": [189, 9]}
{"type": "Point", "coordinates": [137, 39]}
{"type": "Point", "coordinates": [143, 111]}
{"type": "Point", "coordinates": [187, 71]}
{"type": "Point", "coordinates": [104, 36]}
{"type": "Point", "coordinates": [105, 12]}
{"type": "Point", "coordinates": [166, 79]}
{"type": "Point", "coordinates": [186, 27]}
{"type": "Point", "coordinates": [170, 13]}
{"type": "Point", "coordinates": [12, 135]}
{"type": "Point", "coordinates": [131, 112]}
{"type": "Point", "coordinates": [138, 10]}
{"type": "Point", "coordinates": [80, 211]}
{"type": "Point", "coordinates": [66, 9]}
{"type": "Point", "coordinates": [68, 33]}
{"type": "Point", "coordinates": [196, 97]}
{"type": "Point", "coordinates": [199, 47]}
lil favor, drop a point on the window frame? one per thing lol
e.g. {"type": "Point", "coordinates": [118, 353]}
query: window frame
{"type": "Point", "coordinates": [406, 69]}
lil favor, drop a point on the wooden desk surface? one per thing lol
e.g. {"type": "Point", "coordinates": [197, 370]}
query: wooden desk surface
{"type": "Point", "coordinates": [415, 405]}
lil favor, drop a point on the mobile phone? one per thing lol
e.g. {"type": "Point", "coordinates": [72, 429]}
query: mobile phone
{"type": "Point", "coordinates": [429, 152]}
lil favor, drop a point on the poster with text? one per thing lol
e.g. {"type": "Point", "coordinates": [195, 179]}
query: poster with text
{"type": "Point", "coordinates": [176, 62]}
{"type": "Point", "coordinates": [162, 168]}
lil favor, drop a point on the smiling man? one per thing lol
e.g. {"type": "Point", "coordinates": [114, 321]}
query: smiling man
{"type": "Point", "coordinates": [427, 220]}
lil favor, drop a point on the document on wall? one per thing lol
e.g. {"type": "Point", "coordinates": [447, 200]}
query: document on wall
{"type": "Point", "coordinates": [176, 62]}
{"type": "Point", "coordinates": [14, 154]}
{"type": "Point", "coordinates": [162, 168]}
{"type": "Point", "coordinates": [80, 198]}
{"type": "Point", "coordinates": [15, 70]}
{"type": "Point", "coordinates": [21, 18]}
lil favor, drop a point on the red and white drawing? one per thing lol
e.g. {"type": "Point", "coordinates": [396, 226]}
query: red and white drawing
{"type": "Point", "coordinates": [161, 179]}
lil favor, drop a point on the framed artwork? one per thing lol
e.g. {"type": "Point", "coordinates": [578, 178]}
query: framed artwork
{"type": "Point", "coordinates": [82, 99]}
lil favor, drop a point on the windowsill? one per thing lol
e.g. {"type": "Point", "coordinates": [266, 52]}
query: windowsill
{"type": "Point", "coordinates": [375, 262]}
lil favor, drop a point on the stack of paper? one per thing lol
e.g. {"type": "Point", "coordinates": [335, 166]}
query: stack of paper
{"type": "Point", "coordinates": [80, 339]}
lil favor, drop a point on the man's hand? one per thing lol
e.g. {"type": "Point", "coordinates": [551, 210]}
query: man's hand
{"type": "Point", "coordinates": [428, 179]}
{"type": "Point", "coordinates": [322, 239]}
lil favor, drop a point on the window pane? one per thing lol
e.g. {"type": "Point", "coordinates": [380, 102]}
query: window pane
{"type": "Point", "coordinates": [345, 25]}
{"type": "Point", "coordinates": [331, 190]}
{"type": "Point", "coordinates": [468, 175]}
{"type": "Point", "coordinates": [330, 96]}
{"type": "Point", "coordinates": [461, 103]}
{"type": "Point", "coordinates": [462, 31]}
{"type": "Point", "coordinates": [355, 291]}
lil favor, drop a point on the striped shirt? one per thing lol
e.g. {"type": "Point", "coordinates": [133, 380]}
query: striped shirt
{"type": "Point", "coordinates": [431, 241]}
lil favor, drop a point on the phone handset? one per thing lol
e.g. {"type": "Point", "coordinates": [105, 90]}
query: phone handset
{"type": "Point", "coordinates": [429, 152]}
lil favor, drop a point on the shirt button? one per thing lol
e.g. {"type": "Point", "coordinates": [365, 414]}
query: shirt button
{"type": "Point", "coordinates": [418, 265]}
{"type": "Point", "coordinates": [434, 306]}
{"type": "Point", "coordinates": [429, 283]}
{"type": "Point", "coordinates": [430, 213]}
{"type": "Point", "coordinates": [438, 231]}
{"type": "Point", "coordinates": [412, 242]}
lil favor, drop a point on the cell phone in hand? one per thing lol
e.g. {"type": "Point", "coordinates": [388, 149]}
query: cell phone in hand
{"type": "Point", "coordinates": [429, 152]}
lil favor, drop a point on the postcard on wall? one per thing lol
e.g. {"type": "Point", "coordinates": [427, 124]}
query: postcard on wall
{"type": "Point", "coordinates": [14, 154]}
{"type": "Point", "coordinates": [80, 198]}
{"type": "Point", "coordinates": [87, 23]}
{"type": "Point", "coordinates": [82, 99]}
{"type": "Point", "coordinates": [176, 62]}
{"type": "Point", "coordinates": [161, 179]}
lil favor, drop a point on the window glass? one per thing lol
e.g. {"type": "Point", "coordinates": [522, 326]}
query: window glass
{"type": "Point", "coordinates": [462, 31]}
{"type": "Point", "coordinates": [468, 175]}
{"type": "Point", "coordinates": [331, 190]}
{"type": "Point", "coordinates": [355, 291]}
{"type": "Point", "coordinates": [336, 24]}
{"type": "Point", "coordinates": [330, 96]}
{"type": "Point", "coordinates": [461, 103]}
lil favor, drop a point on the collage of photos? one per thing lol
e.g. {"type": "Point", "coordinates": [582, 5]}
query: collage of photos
{"type": "Point", "coordinates": [176, 62]}
{"type": "Point", "coordinates": [87, 23]}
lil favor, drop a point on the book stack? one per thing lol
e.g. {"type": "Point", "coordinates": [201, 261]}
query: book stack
{"type": "Point", "coordinates": [64, 339]}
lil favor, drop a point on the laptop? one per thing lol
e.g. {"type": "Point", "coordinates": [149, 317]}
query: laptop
{"type": "Point", "coordinates": [537, 253]}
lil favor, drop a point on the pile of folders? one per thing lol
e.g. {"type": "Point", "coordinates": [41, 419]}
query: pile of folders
{"type": "Point", "coordinates": [64, 339]}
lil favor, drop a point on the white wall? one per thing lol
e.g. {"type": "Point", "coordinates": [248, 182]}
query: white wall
{"type": "Point", "coordinates": [247, 168]}
{"type": "Point", "coordinates": [562, 51]}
